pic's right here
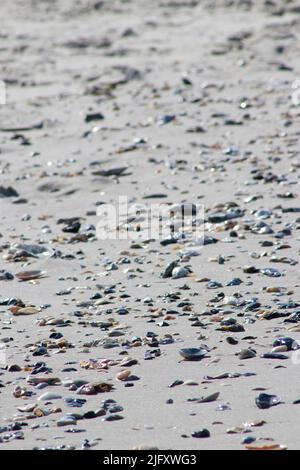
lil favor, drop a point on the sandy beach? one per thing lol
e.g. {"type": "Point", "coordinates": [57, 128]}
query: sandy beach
{"type": "Point", "coordinates": [189, 339]}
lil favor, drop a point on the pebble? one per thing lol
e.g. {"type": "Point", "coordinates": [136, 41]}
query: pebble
{"type": "Point", "coordinates": [193, 354]}
{"type": "Point", "coordinates": [66, 421]}
{"type": "Point", "coordinates": [265, 401]}
{"type": "Point", "coordinates": [201, 434]}
{"type": "Point", "coordinates": [49, 396]}
{"type": "Point", "coordinates": [246, 354]}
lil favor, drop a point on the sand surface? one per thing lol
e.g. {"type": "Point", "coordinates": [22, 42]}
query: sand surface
{"type": "Point", "coordinates": [200, 105]}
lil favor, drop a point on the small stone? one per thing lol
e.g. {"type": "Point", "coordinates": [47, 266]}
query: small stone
{"type": "Point", "coordinates": [49, 396]}
{"type": "Point", "coordinates": [201, 434]}
{"type": "Point", "coordinates": [265, 401]}
{"type": "Point", "coordinates": [123, 375]}
{"type": "Point", "coordinates": [66, 421]}
{"type": "Point", "coordinates": [246, 354]}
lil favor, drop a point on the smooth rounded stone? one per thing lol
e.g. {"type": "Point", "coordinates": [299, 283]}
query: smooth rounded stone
{"type": "Point", "coordinates": [122, 311]}
{"type": "Point", "coordinates": [219, 217]}
{"type": "Point", "coordinates": [132, 378]}
{"type": "Point", "coordinates": [271, 272]}
{"type": "Point", "coordinates": [147, 300]}
{"type": "Point", "coordinates": [279, 349]}
{"type": "Point", "coordinates": [236, 281]}
{"type": "Point", "coordinates": [248, 440]}
{"type": "Point", "coordinates": [76, 383]}
{"type": "Point", "coordinates": [251, 270]}
{"type": "Point", "coordinates": [162, 324]}
{"type": "Point", "coordinates": [246, 354]}
{"type": "Point", "coordinates": [274, 356]}
{"type": "Point", "coordinates": [48, 396]}
{"type": "Point", "coordinates": [75, 415]}
{"type": "Point", "coordinates": [89, 415]}
{"type": "Point", "coordinates": [115, 409]}
{"type": "Point", "coordinates": [206, 240]}
{"type": "Point", "coordinates": [108, 403]}
{"type": "Point", "coordinates": [190, 382]}
{"type": "Point", "coordinates": [128, 362]}
{"type": "Point", "coordinates": [66, 421]}
{"type": "Point", "coordinates": [123, 375]}
{"type": "Point", "coordinates": [193, 354]}
{"type": "Point", "coordinates": [201, 434]}
{"type": "Point", "coordinates": [73, 388]}
{"type": "Point", "coordinates": [116, 333]}
{"type": "Point", "coordinates": [41, 386]}
{"type": "Point", "coordinates": [266, 243]}
{"type": "Point", "coordinates": [263, 214]}
{"type": "Point", "coordinates": [169, 270]}
{"type": "Point", "coordinates": [169, 240]}
{"type": "Point", "coordinates": [43, 379]}
{"type": "Point", "coordinates": [100, 412]}
{"type": "Point", "coordinates": [265, 401]}
{"type": "Point", "coordinates": [232, 341]}
{"type": "Point", "coordinates": [40, 351]}
{"type": "Point", "coordinates": [94, 388]}
{"type": "Point", "coordinates": [39, 411]}
{"type": "Point", "coordinates": [214, 285]}
{"type": "Point", "coordinates": [14, 368]}
{"type": "Point", "coordinates": [209, 398]}
{"type": "Point", "coordinates": [113, 417]}
{"type": "Point", "coordinates": [289, 343]}
{"type": "Point", "coordinates": [179, 272]}
{"type": "Point", "coordinates": [176, 383]}
{"type": "Point", "coordinates": [109, 343]}
{"type": "Point", "coordinates": [75, 402]}
{"type": "Point", "coordinates": [56, 335]}
{"type": "Point", "coordinates": [229, 321]}
{"type": "Point", "coordinates": [234, 328]}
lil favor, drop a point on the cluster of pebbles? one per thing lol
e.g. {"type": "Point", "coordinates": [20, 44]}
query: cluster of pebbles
{"type": "Point", "coordinates": [183, 341]}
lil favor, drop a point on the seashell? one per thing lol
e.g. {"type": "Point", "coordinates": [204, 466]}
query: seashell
{"type": "Point", "coordinates": [193, 354]}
